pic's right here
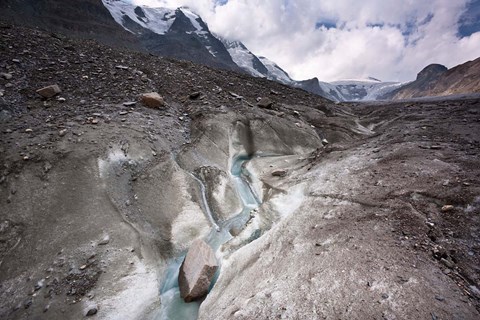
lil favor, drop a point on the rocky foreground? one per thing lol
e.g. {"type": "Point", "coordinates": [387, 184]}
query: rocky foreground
{"type": "Point", "coordinates": [368, 211]}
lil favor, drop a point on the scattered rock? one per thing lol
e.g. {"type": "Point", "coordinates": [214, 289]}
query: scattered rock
{"type": "Point", "coordinates": [120, 67]}
{"type": "Point", "coordinates": [233, 94]}
{"type": "Point", "coordinates": [447, 208]}
{"type": "Point", "coordinates": [49, 91]}
{"type": "Point", "coordinates": [122, 113]}
{"type": "Point", "coordinates": [6, 76]}
{"type": "Point", "coordinates": [27, 303]}
{"type": "Point", "coordinates": [91, 310]}
{"type": "Point", "coordinates": [279, 173]}
{"type": "Point", "coordinates": [265, 103]}
{"type": "Point", "coordinates": [194, 95]}
{"type": "Point", "coordinates": [29, 130]}
{"type": "Point", "coordinates": [104, 241]}
{"type": "Point", "coordinates": [448, 263]}
{"type": "Point", "coordinates": [197, 271]}
{"type": "Point", "coordinates": [62, 132]}
{"type": "Point", "coordinates": [325, 142]}
{"type": "Point", "coordinates": [129, 103]}
{"type": "Point", "coordinates": [153, 100]}
{"type": "Point", "coordinates": [39, 285]}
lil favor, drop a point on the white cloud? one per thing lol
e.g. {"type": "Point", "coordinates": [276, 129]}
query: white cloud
{"type": "Point", "coordinates": [386, 39]}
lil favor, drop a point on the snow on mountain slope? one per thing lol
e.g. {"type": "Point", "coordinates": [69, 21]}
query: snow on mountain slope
{"type": "Point", "coordinates": [275, 72]}
{"type": "Point", "coordinates": [244, 58]}
{"type": "Point", "coordinates": [158, 20]}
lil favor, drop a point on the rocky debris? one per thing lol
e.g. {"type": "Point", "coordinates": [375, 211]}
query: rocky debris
{"type": "Point", "coordinates": [49, 91]}
{"type": "Point", "coordinates": [279, 173]}
{"type": "Point", "coordinates": [105, 240]}
{"type": "Point", "coordinates": [447, 208]}
{"type": "Point", "coordinates": [153, 100]}
{"type": "Point", "coordinates": [6, 76]}
{"type": "Point", "coordinates": [197, 271]}
{"type": "Point", "coordinates": [266, 103]}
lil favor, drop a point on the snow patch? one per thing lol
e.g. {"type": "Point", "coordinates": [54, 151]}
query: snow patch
{"type": "Point", "coordinates": [275, 72]}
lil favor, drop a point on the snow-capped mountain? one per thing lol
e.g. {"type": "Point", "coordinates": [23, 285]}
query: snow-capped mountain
{"type": "Point", "coordinates": [183, 34]}
{"type": "Point", "coordinates": [177, 33]}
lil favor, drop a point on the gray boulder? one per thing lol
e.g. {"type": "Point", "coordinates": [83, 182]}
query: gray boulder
{"type": "Point", "coordinates": [197, 271]}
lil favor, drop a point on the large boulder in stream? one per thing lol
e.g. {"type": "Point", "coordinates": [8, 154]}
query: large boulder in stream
{"type": "Point", "coordinates": [197, 271]}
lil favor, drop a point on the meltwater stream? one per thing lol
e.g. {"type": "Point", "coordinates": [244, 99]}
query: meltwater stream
{"type": "Point", "coordinates": [173, 307]}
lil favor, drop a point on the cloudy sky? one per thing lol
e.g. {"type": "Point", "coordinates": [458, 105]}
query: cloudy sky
{"type": "Point", "coordinates": [340, 39]}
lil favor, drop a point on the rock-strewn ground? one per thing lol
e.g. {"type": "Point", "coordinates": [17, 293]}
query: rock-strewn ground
{"type": "Point", "coordinates": [96, 196]}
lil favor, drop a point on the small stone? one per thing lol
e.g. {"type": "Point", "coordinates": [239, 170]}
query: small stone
{"type": "Point", "coordinates": [28, 130]}
{"type": "Point", "coordinates": [325, 142]}
{"type": "Point", "coordinates": [384, 296]}
{"type": "Point", "coordinates": [91, 310]}
{"type": "Point", "coordinates": [25, 158]}
{"type": "Point", "coordinates": [129, 103]}
{"type": "Point", "coordinates": [194, 95]}
{"type": "Point", "coordinates": [120, 67]}
{"type": "Point", "coordinates": [16, 60]}
{"type": "Point", "coordinates": [265, 103]}
{"type": "Point", "coordinates": [39, 284]}
{"type": "Point", "coordinates": [83, 267]}
{"type": "Point", "coordinates": [6, 76]}
{"type": "Point", "coordinates": [152, 100]}
{"type": "Point", "coordinates": [122, 113]}
{"type": "Point", "coordinates": [27, 303]}
{"type": "Point", "coordinates": [237, 96]}
{"type": "Point", "coordinates": [104, 241]}
{"type": "Point", "coordinates": [61, 99]}
{"type": "Point", "coordinates": [49, 91]}
{"type": "Point", "coordinates": [447, 208]}
{"type": "Point", "coordinates": [279, 173]}
{"type": "Point", "coordinates": [45, 309]}
{"type": "Point", "coordinates": [439, 298]}
{"type": "Point", "coordinates": [94, 121]}
{"type": "Point", "coordinates": [62, 132]}
{"type": "Point", "coordinates": [448, 263]}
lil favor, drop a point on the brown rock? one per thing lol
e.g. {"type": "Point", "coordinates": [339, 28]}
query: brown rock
{"type": "Point", "coordinates": [197, 271]}
{"type": "Point", "coordinates": [153, 100]}
{"type": "Point", "coordinates": [50, 91]}
{"type": "Point", "coordinates": [265, 103]}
